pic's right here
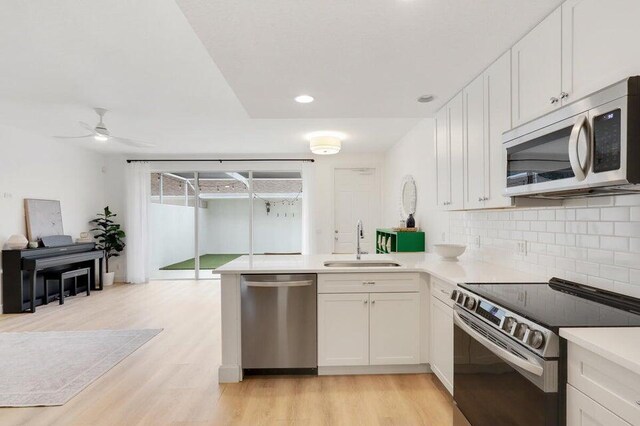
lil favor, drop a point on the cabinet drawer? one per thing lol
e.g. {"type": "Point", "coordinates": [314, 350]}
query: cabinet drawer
{"type": "Point", "coordinates": [441, 290]}
{"type": "Point", "coordinates": [582, 410]}
{"type": "Point", "coordinates": [368, 283]}
{"type": "Point", "coordinates": [606, 382]}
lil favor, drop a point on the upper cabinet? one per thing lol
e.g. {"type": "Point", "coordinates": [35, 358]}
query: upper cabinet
{"type": "Point", "coordinates": [487, 114]}
{"type": "Point", "coordinates": [599, 44]}
{"type": "Point", "coordinates": [450, 155]}
{"type": "Point", "coordinates": [536, 70]}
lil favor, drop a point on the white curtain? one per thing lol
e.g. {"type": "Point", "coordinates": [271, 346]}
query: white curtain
{"type": "Point", "coordinates": [137, 220]}
{"type": "Point", "coordinates": [308, 208]}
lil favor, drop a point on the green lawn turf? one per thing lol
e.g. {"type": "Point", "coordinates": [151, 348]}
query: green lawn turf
{"type": "Point", "coordinates": [207, 261]}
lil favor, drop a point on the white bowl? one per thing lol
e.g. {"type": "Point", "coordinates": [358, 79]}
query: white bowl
{"type": "Point", "coordinates": [449, 251]}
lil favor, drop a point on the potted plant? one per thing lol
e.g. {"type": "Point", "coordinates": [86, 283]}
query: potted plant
{"type": "Point", "coordinates": [109, 238]}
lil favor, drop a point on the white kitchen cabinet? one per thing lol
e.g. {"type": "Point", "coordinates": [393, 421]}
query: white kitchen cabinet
{"type": "Point", "coordinates": [475, 143]}
{"type": "Point", "coordinates": [450, 155]}
{"type": "Point", "coordinates": [394, 328]}
{"type": "Point", "coordinates": [441, 342]}
{"type": "Point", "coordinates": [487, 114]}
{"type": "Point", "coordinates": [537, 70]}
{"type": "Point", "coordinates": [442, 158]}
{"type": "Point", "coordinates": [582, 410]}
{"type": "Point", "coordinates": [599, 44]}
{"type": "Point", "coordinates": [497, 86]}
{"type": "Point", "coordinates": [343, 329]}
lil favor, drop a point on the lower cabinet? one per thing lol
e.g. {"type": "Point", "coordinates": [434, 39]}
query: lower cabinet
{"type": "Point", "coordinates": [582, 410]}
{"type": "Point", "coordinates": [441, 342]}
{"type": "Point", "coordinates": [357, 329]}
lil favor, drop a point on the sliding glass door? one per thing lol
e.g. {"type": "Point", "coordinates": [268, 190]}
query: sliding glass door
{"type": "Point", "coordinates": [201, 220]}
{"type": "Point", "coordinates": [171, 224]}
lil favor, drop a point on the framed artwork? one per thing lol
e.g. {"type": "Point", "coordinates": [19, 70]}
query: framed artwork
{"type": "Point", "coordinates": [44, 218]}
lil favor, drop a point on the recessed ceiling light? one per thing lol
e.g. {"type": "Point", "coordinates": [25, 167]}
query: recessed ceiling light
{"type": "Point", "coordinates": [304, 99]}
{"type": "Point", "coordinates": [426, 99]}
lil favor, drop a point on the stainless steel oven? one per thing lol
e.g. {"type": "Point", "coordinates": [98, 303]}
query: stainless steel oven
{"type": "Point", "coordinates": [590, 147]}
{"type": "Point", "coordinates": [505, 367]}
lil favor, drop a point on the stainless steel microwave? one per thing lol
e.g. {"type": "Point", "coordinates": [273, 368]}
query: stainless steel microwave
{"type": "Point", "coordinates": [588, 148]}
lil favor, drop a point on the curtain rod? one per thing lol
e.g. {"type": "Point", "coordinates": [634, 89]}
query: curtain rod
{"type": "Point", "coordinates": [222, 160]}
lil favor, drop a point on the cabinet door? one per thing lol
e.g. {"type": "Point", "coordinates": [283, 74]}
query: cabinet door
{"type": "Point", "coordinates": [343, 329]}
{"type": "Point", "coordinates": [395, 328]}
{"type": "Point", "coordinates": [536, 70]}
{"type": "Point", "coordinates": [498, 121]}
{"type": "Point", "coordinates": [441, 342]}
{"type": "Point", "coordinates": [442, 157]}
{"type": "Point", "coordinates": [475, 144]}
{"type": "Point", "coordinates": [456, 148]}
{"type": "Point", "coordinates": [599, 44]}
{"type": "Point", "coordinates": [582, 410]}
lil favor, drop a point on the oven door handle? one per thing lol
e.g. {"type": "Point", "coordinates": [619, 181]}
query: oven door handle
{"type": "Point", "coordinates": [526, 365]}
{"type": "Point", "coordinates": [574, 156]}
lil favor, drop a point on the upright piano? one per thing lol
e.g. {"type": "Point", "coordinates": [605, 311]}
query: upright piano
{"type": "Point", "coordinates": [23, 283]}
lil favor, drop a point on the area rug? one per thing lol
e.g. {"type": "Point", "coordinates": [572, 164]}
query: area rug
{"type": "Point", "coordinates": [50, 368]}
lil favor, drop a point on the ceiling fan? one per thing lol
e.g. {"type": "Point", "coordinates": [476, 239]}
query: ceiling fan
{"type": "Point", "coordinates": [100, 133]}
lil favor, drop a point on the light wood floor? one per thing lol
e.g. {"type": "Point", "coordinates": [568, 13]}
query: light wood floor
{"type": "Point", "coordinates": [173, 378]}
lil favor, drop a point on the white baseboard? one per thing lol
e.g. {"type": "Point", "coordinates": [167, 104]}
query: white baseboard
{"type": "Point", "coordinates": [229, 374]}
{"type": "Point", "coordinates": [374, 369]}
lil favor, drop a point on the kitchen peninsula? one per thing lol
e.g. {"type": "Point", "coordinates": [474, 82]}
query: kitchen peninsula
{"type": "Point", "coordinates": [375, 315]}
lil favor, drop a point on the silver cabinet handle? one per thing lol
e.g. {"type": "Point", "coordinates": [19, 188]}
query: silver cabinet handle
{"type": "Point", "coordinates": [554, 100]}
{"type": "Point", "coordinates": [366, 301]}
{"type": "Point", "coordinates": [373, 302]}
{"type": "Point", "coordinates": [443, 291]}
{"type": "Point", "coordinates": [480, 198]}
{"type": "Point", "coordinates": [564, 95]}
{"type": "Point", "coordinates": [368, 282]}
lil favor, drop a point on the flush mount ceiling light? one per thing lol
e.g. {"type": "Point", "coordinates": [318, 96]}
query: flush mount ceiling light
{"type": "Point", "coordinates": [424, 99]}
{"type": "Point", "coordinates": [325, 145]}
{"type": "Point", "coordinates": [304, 99]}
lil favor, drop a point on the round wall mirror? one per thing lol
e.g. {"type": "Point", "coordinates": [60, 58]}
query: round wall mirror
{"type": "Point", "coordinates": [409, 196]}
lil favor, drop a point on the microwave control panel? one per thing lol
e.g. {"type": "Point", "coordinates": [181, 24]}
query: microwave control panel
{"type": "Point", "coordinates": [606, 141]}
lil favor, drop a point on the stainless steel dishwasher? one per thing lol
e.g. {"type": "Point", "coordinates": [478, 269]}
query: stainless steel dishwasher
{"type": "Point", "coordinates": [279, 324]}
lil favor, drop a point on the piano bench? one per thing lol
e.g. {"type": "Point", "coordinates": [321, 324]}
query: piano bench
{"type": "Point", "coordinates": [61, 277]}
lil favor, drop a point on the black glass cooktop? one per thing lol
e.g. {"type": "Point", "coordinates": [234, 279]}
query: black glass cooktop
{"type": "Point", "coordinates": [561, 303]}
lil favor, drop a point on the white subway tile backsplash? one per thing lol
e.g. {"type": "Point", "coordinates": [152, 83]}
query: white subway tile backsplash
{"type": "Point", "coordinates": [614, 243]}
{"type": "Point", "coordinates": [616, 214]}
{"type": "Point", "coordinates": [600, 228]}
{"type": "Point", "coordinates": [615, 273]}
{"type": "Point", "coordinates": [588, 214]}
{"type": "Point", "coordinates": [627, 229]}
{"type": "Point", "coordinates": [589, 241]}
{"type": "Point", "coordinates": [594, 241]}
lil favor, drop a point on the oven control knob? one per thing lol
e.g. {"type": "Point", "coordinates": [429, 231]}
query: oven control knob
{"type": "Point", "coordinates": [508, 324]}
{"type": "Point", "coordinates": [461, 297]}
{"type": "Point", "coordinates": [536, 340]}
{"type": "Point", "coordinates": [470, 303]}
{"type": "Point", "coordinates": [521, 331]}
{"type": "Point", "coordinates": [454, 295]}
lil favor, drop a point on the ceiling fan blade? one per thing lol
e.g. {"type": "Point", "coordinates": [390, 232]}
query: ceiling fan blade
{"type": "Point", "coordinates": [86, 126]}
{"type": "Point", "coordinates": [133, 142]}
{"type": "Point", "coordinates": [73, 137]}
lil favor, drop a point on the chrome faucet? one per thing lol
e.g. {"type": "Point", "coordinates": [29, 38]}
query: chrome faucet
{"type": "Point", "coordinates": [359, 236]}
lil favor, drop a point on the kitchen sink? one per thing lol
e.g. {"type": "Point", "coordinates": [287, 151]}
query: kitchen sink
{"type": "Point", "coordinates": [360, 263]}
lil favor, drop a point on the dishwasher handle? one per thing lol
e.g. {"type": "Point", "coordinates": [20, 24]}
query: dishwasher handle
{"type": "Point", "coordinates": [274, 284]}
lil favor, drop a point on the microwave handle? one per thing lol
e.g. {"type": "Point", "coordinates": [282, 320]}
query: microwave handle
{"type": "Point", "coordinates": [574, 158]}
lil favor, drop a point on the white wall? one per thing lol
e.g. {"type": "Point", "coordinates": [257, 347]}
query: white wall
{"type": "Point", "coordinates": [595, 242]}
{"type": "Point", "coordinates": [414, 155]}
{"type": "Point", "coordinates": [33, 166]}
{"type": "Point", "coordinates": [171, 236]}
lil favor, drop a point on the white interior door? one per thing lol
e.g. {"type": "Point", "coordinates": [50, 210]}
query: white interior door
{"type": "Point", "coordinates": [356, 197]}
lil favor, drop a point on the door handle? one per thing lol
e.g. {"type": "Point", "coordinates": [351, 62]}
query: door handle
{"type": "Point", "coordinates": [276, 284]}
{"type": "Point", "coordinates": [554, 100]}
{"type": "Point", "coordinates": [574, 157]}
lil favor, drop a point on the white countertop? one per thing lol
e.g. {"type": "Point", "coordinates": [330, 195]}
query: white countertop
{"type": "Point", "coordinates": [453, 272]}
{"type": "Point", "coordinates": [619, 344]}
